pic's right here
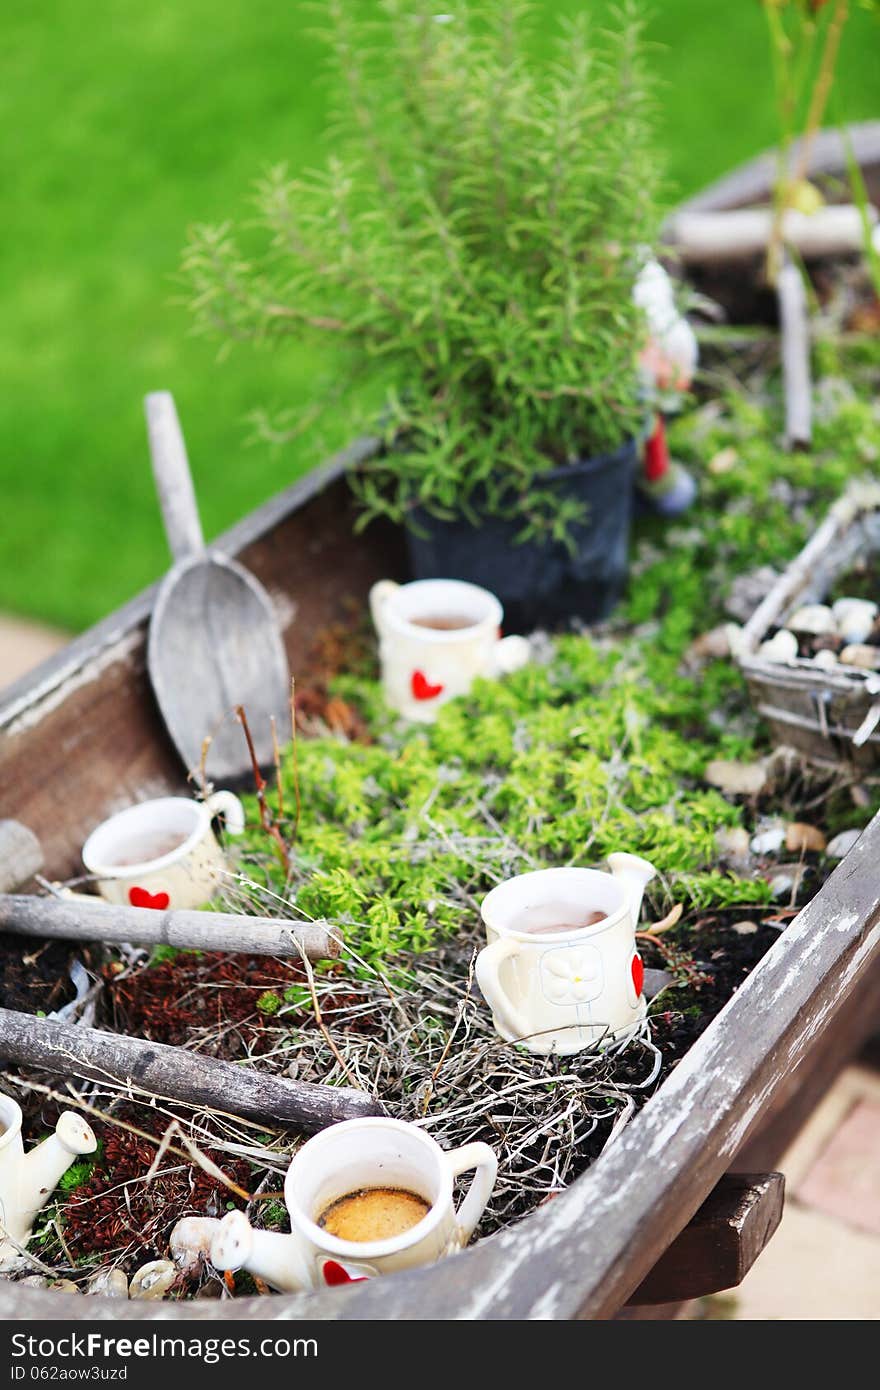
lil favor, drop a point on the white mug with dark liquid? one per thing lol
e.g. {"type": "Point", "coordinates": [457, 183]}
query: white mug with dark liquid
{"type": "Point", "coordinates": [435, 637]}
{"type": "Point", "coordinates": [163, 853]}
{"type": "Point", "coordinates": [365, 1197]}
{"type": "Point", "coordinates": [561, 972]}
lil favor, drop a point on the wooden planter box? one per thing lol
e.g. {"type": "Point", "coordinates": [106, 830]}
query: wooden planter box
{"type": "Point", "coordinates": [831, 716]}
{"type": "Point", "coordinates": [81, 736]}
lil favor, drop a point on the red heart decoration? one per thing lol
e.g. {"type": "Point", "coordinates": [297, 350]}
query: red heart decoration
{"type": "Point", "coordinates": [139, 897]}
{"type": "Point", "coordinates": [422, 688]}
{"type": "Point", "coordinates": [335, 1273]}
{"type": "Point", "coordinates": [638, 973]}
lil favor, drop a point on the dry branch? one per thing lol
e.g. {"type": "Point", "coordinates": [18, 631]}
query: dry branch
{"type": "Point", "coordinates": [91, 919]}
{"type": "Point", "coordinates": [724, 236]}
{"type": "Point", "coordinates": [175, 1073]}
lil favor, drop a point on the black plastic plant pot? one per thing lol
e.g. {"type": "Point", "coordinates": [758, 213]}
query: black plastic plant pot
{"type": "Point", "coordinates": [542, 583]}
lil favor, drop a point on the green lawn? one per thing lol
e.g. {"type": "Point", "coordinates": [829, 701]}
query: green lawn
{"type": "Point", "coordinates": [124, 122]}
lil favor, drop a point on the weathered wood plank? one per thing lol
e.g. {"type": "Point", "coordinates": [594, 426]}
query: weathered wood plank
{"type": "Point", "coordinates": [173, 1073]}
{"type": "Point", "coordinates": [20, 855]}
{"type": "Point", "coordinates": [721, 237]}
{"type": "Point", "coordinates": [84, 919]}
{"type": "Point", "coordinates": [752, 182]}
{"type": "Point", "coordinates": [800, 1093]}
{"type": "Point", "coordinates": [720, 1243]}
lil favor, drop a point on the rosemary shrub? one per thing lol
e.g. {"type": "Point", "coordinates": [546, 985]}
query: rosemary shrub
{"type": "Point", "coordinates": [471, 250]}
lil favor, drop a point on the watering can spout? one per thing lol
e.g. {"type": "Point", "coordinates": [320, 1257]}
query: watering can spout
{"type": "Point", "coordinates": [633, 874]}
{"type": "Point", "coordinates": [268, 1255]}
{"type": "Point", "coordinates": [43, 1167]}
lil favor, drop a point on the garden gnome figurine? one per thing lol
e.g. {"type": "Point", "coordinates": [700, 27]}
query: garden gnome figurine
{"type": "Point", "coordinates": [668, 362]}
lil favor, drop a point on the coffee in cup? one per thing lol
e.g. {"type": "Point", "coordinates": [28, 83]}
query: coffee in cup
{"type": "Point", "coordinates": [374, 1213]}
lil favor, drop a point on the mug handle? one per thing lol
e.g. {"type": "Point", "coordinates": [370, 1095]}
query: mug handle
{"type": "Point", "coordinates": [510, 654]}
{"type": "Point", "coordinates": [227, 805]}
{"type": "Point", "coordinates": [379, 596]}
{"type": "Point", "coordinates": [489, 980]}
{"type": "Point", "coordinates": [485, 1164]}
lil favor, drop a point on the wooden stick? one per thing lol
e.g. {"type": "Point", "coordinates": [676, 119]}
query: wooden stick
{"type": "Point", "coordinates": [795, 331]}
{"type": "Point", "coordinates": [91, 919]}
{"type": "Point", "coordinates": [176, 1074]}
{"type": "Point", "coordinates": [20, 855]}
{"type": "Point", "coordinates": [725, 236]}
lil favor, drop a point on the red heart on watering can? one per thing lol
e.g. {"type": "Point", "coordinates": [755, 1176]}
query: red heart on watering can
{"type": "Point", "coordinates": [335, 1273]}
{"type": "Point", "coordinates": [139, 897]}
{"type": "Point", "coordinates": [638, 974]}
{"type": "Point", "coordinates": [422, 688]}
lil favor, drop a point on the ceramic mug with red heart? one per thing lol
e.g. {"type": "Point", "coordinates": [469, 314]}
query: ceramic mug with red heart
{"type": "Point", "coordinates": [435, 637]}
{"type": "Point", "coordinates": [163, 853]}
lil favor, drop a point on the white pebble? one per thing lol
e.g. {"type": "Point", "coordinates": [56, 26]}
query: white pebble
{"type": "Point", "coordinates": [744, 928]}
{"type": "Point", "coordinates": [866, 658]}
{"type": "Point", "coordinates": [814, 618]}
{"type": "Point", "coordinates": [769, 841]}
{"type": "Point", "coordinates": [856, 626]}
{"type": "Point", "coordinates": [108, 1283]}
{"type": "Point", "coordinates": [825, 660]}
{"type": "Point", "coordinates": [152, 1280]}
{"type": "Point", "coordinates": [842, 843]}
{"type": "Point", "coordinates": [845, 607]}
{"type": "Point", "coordinates": [782, 647]}
{"type": "Point", "coordinates": [783, 884]}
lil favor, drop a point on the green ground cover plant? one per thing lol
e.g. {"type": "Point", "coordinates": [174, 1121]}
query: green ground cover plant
{"type": "Point", "coordinates": [601, 744]}
{"type": "Point", "coordinates": [129, 122]}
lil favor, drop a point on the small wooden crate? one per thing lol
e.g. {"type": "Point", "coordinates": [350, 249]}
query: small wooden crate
{"type": "Point", "coordinates": [830, 716]}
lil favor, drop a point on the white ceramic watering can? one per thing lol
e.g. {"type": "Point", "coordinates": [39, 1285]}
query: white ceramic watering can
{"type": "Point", "coordinates": [577, 987]}
{"type": "Point", "coordinates": [28, 1180]}
{"type": "Point", "coordinates": [351, 1157]}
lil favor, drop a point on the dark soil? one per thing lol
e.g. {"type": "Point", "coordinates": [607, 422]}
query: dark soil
{"type": "Point", "coordinates": [35, 978]}
{"type": "Point", "coordinates": [724, 957]}
{"type": "Point", "coordinates": [116, 1210]}
{"type": "Point", "coordinates": [223, 1004]}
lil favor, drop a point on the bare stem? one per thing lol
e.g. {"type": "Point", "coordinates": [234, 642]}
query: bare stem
{"type": "Point", "coordinates": [266, 820]}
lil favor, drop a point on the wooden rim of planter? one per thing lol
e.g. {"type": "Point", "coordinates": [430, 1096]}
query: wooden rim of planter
{"type": "Point", "coordinates": [583, 1254]}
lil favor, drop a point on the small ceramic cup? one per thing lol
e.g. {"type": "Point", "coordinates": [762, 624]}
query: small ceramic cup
{"type": "Point", "coordinates": [344, 1159]}
{"type": "Point", "coordinates": [568, 990]}
{"type": "Point", "coordinates": [424, 665]}
{"type": "Point", "coordinates": [184, 865]}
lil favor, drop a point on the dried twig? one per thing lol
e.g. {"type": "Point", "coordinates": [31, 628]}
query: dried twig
{"type": "Point", "coordinates": [276, 754]}
{"type": "Point", "coordinates": [266, 819]}
{"type": "Point", "coordinates": [295, 756]}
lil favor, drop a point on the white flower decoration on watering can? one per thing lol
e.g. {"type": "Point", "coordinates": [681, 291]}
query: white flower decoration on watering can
{"type": "Point", "coordinates": [576, 987]}
{"type": "Point", "coordinates": [572, 976]}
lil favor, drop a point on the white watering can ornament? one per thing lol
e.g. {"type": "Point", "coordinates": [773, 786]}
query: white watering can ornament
{"type": "Point", "coordinates": [27, 1180]}
{"type": "Point", "coordinates": [561, 972]}
{"type": "Point", "coordinates": [347, 1161]}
